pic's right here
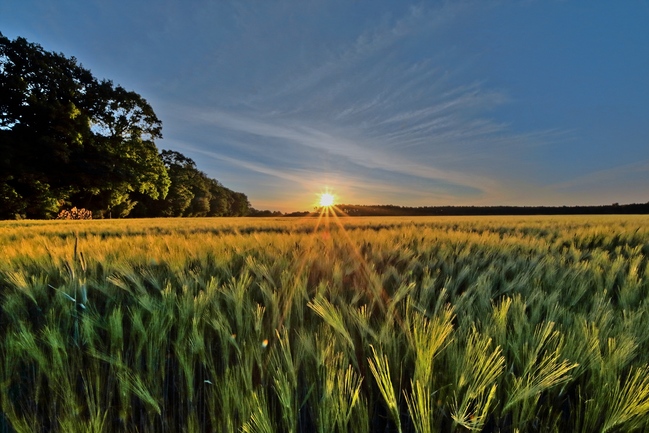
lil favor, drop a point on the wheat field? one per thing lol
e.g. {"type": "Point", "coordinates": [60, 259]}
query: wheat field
{"type": "Point", "coordinates": [493, 324]}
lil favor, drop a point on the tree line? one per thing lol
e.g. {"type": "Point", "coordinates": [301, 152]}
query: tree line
{"type": "Point", "coordinates": [68, 139]}
{"type": "Point", "coordinates": [392, 210]}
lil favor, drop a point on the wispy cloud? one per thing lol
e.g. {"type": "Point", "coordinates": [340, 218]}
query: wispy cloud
{"type": "Point", "coordinates": [338, 60]}
{"type": "Point", "coordinates": [355, 151]}
{"type": "Point", "coordinates": [296, 186]}
{"type": "Point", "coordinates": [380, 105]}
{"type": "Point", "coordinates": [415, 102]}
{"type": "Point", "coordinates": [295, 176]}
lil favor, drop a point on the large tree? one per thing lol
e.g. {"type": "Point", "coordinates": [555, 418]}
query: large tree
{"type": "Point", "coordinates": [67, 138]}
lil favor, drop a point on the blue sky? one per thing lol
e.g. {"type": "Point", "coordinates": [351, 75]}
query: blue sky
{"type": "Point", "coordinates": [382, 102]}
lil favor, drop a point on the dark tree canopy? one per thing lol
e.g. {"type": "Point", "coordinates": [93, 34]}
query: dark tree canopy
{"type": "Point", "coordinates": [192, 193]}
{"type": "Point", "coordinates": [69, 139]}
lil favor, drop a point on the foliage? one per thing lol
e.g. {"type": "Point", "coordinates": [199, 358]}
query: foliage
{"type": "Point", "coordinates": [192, 193]}
{"type": "Point", "coordinates": [68, 138]}
{"type": "Point", "coordinates": [499, 324]}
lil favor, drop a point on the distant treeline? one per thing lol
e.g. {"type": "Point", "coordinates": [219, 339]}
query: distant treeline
{"type": "Point", "coordinates": [391, 210]}
{"type": "Point", "coordinates": [69, 140]}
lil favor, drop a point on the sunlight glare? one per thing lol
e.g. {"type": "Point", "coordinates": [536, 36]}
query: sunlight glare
{"type": "Point", "coordinates": [326, 199]}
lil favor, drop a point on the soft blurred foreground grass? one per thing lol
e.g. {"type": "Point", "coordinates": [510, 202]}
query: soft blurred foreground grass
{"type": "Point", "coordinates": [502, 324]}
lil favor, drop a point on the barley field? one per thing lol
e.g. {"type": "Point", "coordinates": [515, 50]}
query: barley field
{"type": "Point", "coordinates": [493, 324]}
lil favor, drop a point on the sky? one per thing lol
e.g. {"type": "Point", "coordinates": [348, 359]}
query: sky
{"type": "Point", "coordinates": [380, 102]}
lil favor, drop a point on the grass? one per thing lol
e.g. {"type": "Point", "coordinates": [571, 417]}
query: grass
{"type": "Point", "coordinates": [495, 324]}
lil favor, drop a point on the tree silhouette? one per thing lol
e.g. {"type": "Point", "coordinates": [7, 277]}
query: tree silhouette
{"type": "Point", "coordinates": [69, 138]}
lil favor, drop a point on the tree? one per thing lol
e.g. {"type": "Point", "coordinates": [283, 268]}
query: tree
{"type": "Point", "coordinates": [240, 205]}
{"type": "Point", "coordinates": [182, 172]}
{"type": "Point", "coordinates": [219, 201]}
{"type": "Point", "coordinates": [67, 138]}
{"type": "Point", "coordinates": [191, 193]}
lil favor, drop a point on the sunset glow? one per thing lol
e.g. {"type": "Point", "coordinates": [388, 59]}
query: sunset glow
{"type": "Point", "coordinates": [326, 199]}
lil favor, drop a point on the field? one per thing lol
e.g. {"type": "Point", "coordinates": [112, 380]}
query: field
{"type": "Point", "coordinates": [508, 324]}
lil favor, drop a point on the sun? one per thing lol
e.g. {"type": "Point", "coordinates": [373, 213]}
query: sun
{"type": "Point", "coordinates": [326, 199]}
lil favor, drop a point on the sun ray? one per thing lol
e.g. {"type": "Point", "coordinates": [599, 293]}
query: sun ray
{"type": "Point", "coordinates": [377, 291]}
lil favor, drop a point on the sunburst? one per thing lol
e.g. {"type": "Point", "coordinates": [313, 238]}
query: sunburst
{"type": "Point", "coordinates": [327, 199]}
